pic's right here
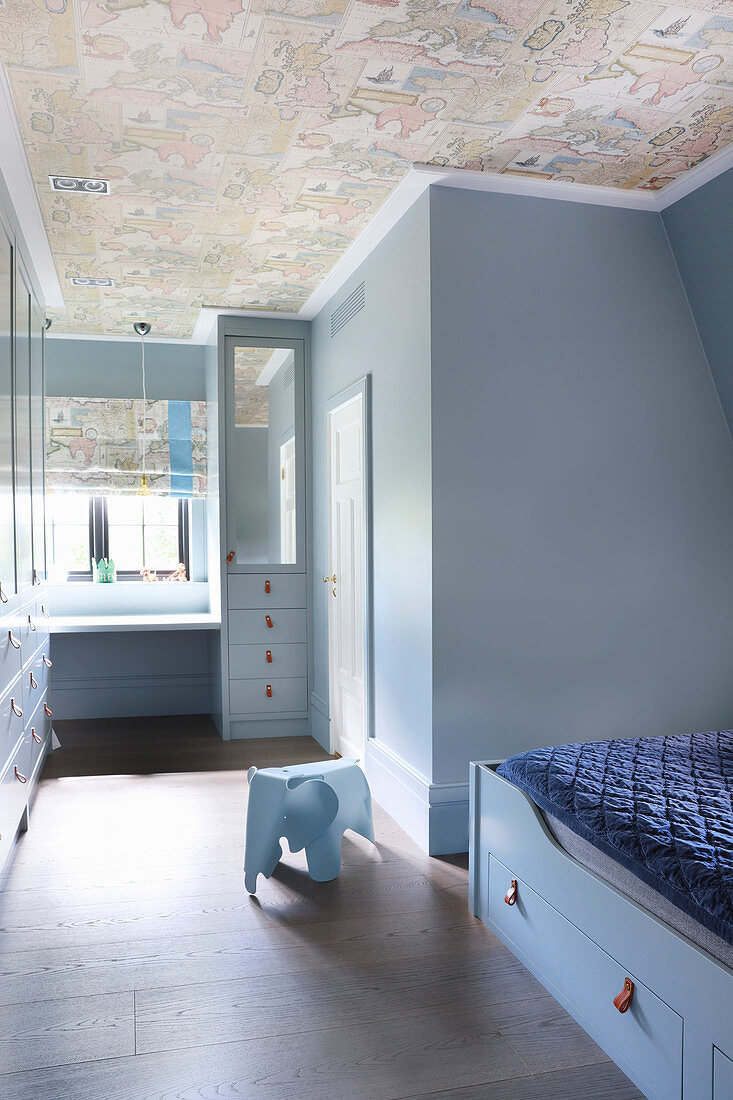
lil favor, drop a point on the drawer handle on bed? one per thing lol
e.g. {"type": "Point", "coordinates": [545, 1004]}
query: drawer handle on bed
{"type": "Point", "coordinates": [38, 740]}
{"type": "Point", "coordinates": [16, 709]}
{"type": "Point", "coordinates": [47, 661]}
{"type": "Point", "coordinates": [19, 776]}
{"type": "Point", "coordinates": [13, 641]}
{"type": "Point", "coordinates": [31, 624]}
{"type": "Point", "coordinates": [3, 597]}
{"type": "Point", "coordinates": [511, 895]}
{"type": "Point", "coordinates": [49, 712]}
{"type": "Point", "coordinates": [34, 682]}
{"type": "Point", "coordinates": [622, 1000]}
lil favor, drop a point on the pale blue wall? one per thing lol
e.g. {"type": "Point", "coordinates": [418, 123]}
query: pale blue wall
{"type": "Point", "coordinates": [700, 229]}
{"type": "Point", "coordinates": [389, 339]}
{"type": "Point", "coordinates": [582, 484]}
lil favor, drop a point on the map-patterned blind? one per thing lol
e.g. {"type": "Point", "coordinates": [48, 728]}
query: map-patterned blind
{"type": "Point", "coordinates": [95, 445]}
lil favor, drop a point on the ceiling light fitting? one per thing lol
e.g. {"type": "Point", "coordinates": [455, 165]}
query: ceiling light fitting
{"type": "Point", "coordinates": [142, 328]}
{"type": "Point", "coordinates": [79, 185]}
{"type": "Point", "coordinates": [79, 281]}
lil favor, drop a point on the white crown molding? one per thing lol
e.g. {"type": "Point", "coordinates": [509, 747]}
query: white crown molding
{"type": "Point", "coordinates": [505, 184]}
{"type": "Point", "coordinates": [29, 227]}
{"type": "Point", "coordinates": [693, 178]}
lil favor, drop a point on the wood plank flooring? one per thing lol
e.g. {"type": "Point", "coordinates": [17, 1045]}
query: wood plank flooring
{"type": "Point", "coordinates": [134, 966]}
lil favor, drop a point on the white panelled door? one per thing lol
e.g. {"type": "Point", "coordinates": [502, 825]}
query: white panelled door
{"type": "Point", "coordinates": [346, 590]}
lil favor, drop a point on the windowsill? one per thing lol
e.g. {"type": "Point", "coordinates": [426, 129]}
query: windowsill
{"type": "Point", "coordinates": [83, 624]}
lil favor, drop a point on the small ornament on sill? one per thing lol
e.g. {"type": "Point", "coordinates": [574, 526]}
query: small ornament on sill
{"type": "Point", "coordinates": [104, 571]}
{"type": "Point", "coordinates": [178, 574]}
{"type": "Point", "coordinates": [149, 576]}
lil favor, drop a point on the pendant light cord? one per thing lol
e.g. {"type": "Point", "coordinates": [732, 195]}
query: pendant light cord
{"type": "Point", "coordinates": [145, 398]}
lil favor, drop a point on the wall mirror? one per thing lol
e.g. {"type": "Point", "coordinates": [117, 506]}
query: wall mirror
{"type": "Point", "coordinates": [265, 475]}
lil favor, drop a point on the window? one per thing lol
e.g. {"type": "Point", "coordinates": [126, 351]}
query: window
{"type": "Point", "coordinates": [135, 532]}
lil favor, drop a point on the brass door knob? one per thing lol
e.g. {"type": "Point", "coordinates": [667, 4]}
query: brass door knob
{"type": "Point", "coordinates": [330, 580]}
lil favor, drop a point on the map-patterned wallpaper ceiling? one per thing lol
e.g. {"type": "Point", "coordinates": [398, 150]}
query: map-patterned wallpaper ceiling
{"type": "Point", "coordinates": [249, 141]}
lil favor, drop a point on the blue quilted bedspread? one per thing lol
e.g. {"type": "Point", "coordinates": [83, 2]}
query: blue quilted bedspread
{"type": "Point", "coordinates": [661, 806]}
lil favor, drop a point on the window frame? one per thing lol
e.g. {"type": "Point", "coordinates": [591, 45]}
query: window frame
{"type": "Point", "coordinates": [99, 541]}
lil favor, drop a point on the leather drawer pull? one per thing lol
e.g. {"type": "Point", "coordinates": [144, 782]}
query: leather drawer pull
{"type": "Point", "coordinates": [511, 895]}
{"type": "Point", "coordinates": [230, 557]}
{"type": "Point", "coordinates": [622, 1000]}
{"type": "Point", "coordinates": [34, 682]}
{"type": "Point", "coordinates": [269, 691]}
{"type": "Point", "coordinates": [16, 709]}
{"type": "Point", "coordinates": [38, 740]}
{"type": "Point", "coordinates": [269, 621]}
{"type": "Point", "coordinates": [268, 588]}
{"type": "Point", "coordinates": [47, 661]}
{"type": "Point", "coordinates": [19, 776]}
{"type": "Point", "coordinates": [13, 641]}
{"type": "Point", "coordinates": [49, 712]}
{"type": "Point", "coordinates": [3, 597]}
{"type": "Point", "coordinates": [31, 624]}
{"type": "Point", "coordinates": [44, 612]}
{"type": "Point", "coordinates": [268, 654]}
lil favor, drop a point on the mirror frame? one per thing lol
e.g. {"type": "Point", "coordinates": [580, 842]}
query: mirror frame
{"type": "Point", "coordinates": [246, 332]}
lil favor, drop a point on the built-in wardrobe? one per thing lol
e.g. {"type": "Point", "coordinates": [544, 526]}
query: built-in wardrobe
{"type": "Point", "coordinates": [263, 656]}
{"type": "Point", "coordinates": [25, 717]}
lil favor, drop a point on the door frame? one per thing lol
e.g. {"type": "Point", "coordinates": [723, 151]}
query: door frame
{"type": "Point", "coordinates": [361, 388]}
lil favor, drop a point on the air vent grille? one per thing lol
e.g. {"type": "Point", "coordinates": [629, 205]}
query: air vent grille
{"type": "Point", "coordinates": [77, 280]}
{"type": "Point", "coordinates": [348, 308]}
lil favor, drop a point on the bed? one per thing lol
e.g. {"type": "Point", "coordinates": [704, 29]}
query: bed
{"type": "Point", "coordinates": [607, 868]}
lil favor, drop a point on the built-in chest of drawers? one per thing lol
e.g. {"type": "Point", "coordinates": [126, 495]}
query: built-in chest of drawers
{"type": "Point", "coordinates": [268, 646]}
{"type": "Point", "coordinates": [25, 716]}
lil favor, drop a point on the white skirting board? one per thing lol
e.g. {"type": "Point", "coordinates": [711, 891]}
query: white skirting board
{"type": "Point", "coordinates": [435, 815]}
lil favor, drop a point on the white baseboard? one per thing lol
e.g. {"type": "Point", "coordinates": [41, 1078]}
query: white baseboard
{"type": "Point", "coordinates": [129, 696]}
{"type": "Point", "coordinates": [435, 815]}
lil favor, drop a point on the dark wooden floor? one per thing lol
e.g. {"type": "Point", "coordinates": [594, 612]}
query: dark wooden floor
{"type": "Point", "coordinates": [134, 966]}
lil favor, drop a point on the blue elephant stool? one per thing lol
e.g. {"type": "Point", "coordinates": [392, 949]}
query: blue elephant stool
{"type": "Point", "coordinates": [310, 805]}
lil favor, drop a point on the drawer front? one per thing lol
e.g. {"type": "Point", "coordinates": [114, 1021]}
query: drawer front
{"type": "Point", "coordinates": [13, 797]}
{"type": "Point", "coordinates": [12, 725]}
{"type": "Point", "coordinates": [38, 733]}
{"type": "Point", "coordinates": [35, 634]}
{"type": "Point", "coordinates": [250, 696]}
{"type": "Point", "coordinates": [286, 590]}
{"type": "Point", "coordinates": [252, 628]}
{"type": "Point", "coordinates": [722, 1076]}
{"type": "Point", "coordinates": [648, 1037]}
{"type": "Point", "coordinates": [10, 656]}
{"type": "Point", "coordinates": [35, 682]}
{"type": "Point", "coordinates": [249, 662]}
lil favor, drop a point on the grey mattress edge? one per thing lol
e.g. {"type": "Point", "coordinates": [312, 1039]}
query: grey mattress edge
{"type": "Point", "coordinates": [627, 883]}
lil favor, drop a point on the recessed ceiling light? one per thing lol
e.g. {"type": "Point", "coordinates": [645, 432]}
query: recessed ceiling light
{"type": "Point", "coordinates": [79, 184]}
{"type": "Point", "coordinates": [79, 281]}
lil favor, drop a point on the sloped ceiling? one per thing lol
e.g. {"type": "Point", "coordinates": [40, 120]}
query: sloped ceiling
{"type": "Point", "coordinates": [249, 141]}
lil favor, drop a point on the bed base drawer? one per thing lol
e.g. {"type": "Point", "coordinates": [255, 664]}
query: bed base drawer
{"type": "Point", "coordinates": [645, 1039]}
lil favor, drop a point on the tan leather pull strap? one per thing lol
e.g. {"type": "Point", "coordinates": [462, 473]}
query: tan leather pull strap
{"type": "Point", "coordinates": [622, 1000]}
{"type": "Point", "coordinates": [511, 895]}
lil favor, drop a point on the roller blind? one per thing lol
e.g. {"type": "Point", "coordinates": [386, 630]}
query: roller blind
{"type": "Point", "coordinates": [95, 445]}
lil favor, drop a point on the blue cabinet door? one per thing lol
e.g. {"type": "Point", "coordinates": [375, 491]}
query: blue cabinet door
{"type": "Point", "coordinates": [7, 535]}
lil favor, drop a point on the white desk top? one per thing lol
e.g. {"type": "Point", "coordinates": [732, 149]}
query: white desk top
{"type": "Point", "coordinates": [112, 624]}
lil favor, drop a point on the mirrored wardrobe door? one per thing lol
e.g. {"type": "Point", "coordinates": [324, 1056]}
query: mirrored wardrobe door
{"type": "Point", "coordinates": [7, 537]}
{"type": "Point", "coordinates": [265, 469]}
